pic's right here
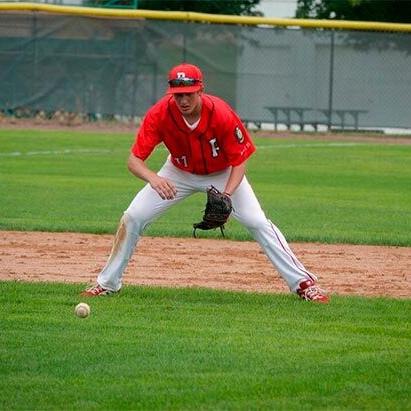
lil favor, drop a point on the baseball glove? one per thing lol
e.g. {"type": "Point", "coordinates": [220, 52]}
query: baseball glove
{"type": "Point", "coordinates": [217, 211]}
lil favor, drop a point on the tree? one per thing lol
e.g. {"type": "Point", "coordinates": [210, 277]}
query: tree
{"type": "Point", "coordinates": [233, 7]}
{"type": "Point", "coordinates": [396, 11]}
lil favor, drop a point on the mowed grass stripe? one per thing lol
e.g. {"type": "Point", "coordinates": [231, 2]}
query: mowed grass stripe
{"type": "Point", "coordinates": [156, 348]}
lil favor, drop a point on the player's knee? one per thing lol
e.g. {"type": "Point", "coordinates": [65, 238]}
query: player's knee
{"type": "Point", "coordinates": [138, 215]}
{"type": "Point", "coordinates": [133, 223]}
{"type": "Point", "coordinates": [253, 222]}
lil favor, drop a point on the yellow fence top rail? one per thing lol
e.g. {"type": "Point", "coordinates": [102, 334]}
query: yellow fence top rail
{"type": "Point", "coordinates": [204, 17]}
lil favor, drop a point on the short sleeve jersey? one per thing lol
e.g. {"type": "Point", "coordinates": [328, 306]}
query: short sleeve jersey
{"type": "Point", "coordinates": [219, 141]}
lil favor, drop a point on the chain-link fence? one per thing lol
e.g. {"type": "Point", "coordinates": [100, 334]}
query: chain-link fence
{"type": "Point", "coordinates": [292, 76]}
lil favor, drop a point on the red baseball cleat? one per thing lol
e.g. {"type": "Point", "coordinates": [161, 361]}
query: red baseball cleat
{"type": "Point", "coordinates": [96, 291]}
{"type": "Point", "coordinates": [309, 291]}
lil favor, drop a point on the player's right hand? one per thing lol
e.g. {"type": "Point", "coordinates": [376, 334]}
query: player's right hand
{"type": "Point", "coordinates": [164, 187]}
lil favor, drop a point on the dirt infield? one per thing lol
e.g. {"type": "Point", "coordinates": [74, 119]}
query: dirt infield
{"type": "Point", "coordinates": [177, 262]}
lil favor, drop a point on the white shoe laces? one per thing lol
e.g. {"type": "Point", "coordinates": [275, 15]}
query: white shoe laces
{"type": "Point", "coordinates": [312, 293]}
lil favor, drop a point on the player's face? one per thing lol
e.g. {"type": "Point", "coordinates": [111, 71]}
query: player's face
{"type": "Point", "coordinates": [189, 104]}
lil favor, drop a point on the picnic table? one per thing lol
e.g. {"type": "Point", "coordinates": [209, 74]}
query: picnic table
{"type": "Point", "coordinates": [290, 115]}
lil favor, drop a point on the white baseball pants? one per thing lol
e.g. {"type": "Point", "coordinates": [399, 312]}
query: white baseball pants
{"type": "Point", "coordinates": [148, 205]}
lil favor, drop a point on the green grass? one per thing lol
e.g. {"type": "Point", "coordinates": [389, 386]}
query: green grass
{"type": "Point", "coordinates": [324, 191]}
{"type": "Point", "coordinates": [194, 349]}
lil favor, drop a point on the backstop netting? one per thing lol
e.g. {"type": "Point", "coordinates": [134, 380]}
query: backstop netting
{"type": "Point", "coordinates": [109, 66]}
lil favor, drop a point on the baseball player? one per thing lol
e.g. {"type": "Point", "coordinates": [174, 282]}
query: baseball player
{"type": "Point", "coordinates": [208, 147]}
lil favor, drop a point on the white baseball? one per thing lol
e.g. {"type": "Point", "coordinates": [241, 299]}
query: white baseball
{"type": "Point", "coordinates": [82, 310]}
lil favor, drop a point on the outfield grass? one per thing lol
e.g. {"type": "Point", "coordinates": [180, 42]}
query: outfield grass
{"type": "Point", "coordinates": [324, 191]}
{"type": "Point", "coordinates": [165, 349]}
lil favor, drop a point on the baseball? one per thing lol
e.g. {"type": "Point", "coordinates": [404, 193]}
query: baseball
{"type": "Point", "coordinates": [82, 310]}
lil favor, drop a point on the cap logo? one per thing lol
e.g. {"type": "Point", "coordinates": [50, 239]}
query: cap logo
{"type": "Point", "coordinates": [181, 74]}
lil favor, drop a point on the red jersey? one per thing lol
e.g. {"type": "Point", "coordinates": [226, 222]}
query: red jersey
{"type": "Point", "coordinates": [219, 141]}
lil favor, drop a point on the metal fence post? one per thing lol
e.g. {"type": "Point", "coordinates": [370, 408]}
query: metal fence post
{"type": "Point", "coordinates": [331, 80]}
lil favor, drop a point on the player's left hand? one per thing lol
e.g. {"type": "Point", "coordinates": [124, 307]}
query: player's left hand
{"type": "Point", "coordinates": [217, 211]}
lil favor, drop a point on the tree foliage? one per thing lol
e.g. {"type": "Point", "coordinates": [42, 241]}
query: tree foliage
{"type": "Point", "coordinates": [396, 11]}
{"type": "Point", "coordinates": [233, 7]}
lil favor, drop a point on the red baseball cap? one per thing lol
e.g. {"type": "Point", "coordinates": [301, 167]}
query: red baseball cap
{"type": "Point", "coordinates": [184, 78]}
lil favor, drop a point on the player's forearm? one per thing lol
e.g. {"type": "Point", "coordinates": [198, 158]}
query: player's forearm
{"type": "Point", "coordinates": [139, 168]}
{"type": "Point", "coordinates": [236, 176]}
{"type": "Point", "coordinates": [164, 187]}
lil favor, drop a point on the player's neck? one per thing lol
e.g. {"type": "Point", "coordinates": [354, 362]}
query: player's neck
{"type": "Point", "coordinates": [191, 126]}
{"type": "Point", "coordinates": [195, 115]}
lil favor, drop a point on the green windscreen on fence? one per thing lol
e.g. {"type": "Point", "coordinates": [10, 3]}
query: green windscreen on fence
{"type": "Point", "coordinates": [277, 75]}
